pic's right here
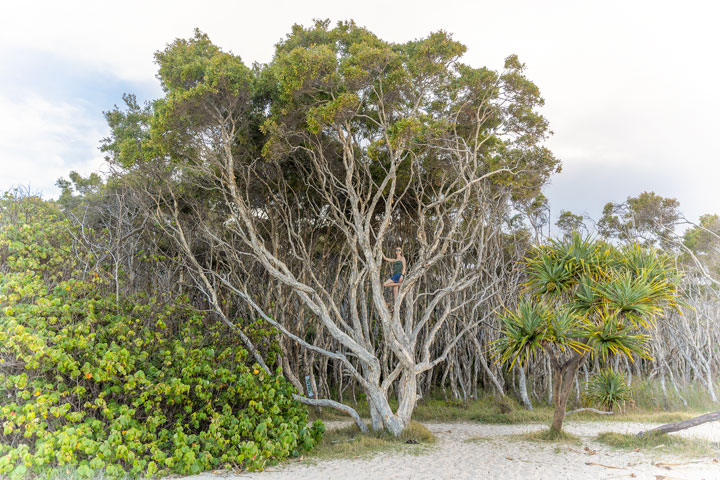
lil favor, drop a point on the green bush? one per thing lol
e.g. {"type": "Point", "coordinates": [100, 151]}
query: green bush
{"type": "Point", "coordinates": [142, 389]}
{"type": "Point", "coordinates": [608, 389]}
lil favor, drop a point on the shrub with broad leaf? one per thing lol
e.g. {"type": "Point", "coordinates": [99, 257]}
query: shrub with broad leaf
{"type": "Point", "coordinates": [147, 387]}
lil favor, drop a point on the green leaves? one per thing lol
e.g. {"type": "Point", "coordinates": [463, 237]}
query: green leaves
{"type": "Point", "coordinates": [335, 111]}
{"type": "Point", "coordinates": [557, 268]}
{"type": "Point", "coordinates": [590, 296]}
{"type": "Point", "coordinates": [144, 388]}
{"type": "Point", "coordinates": [648, 216]}
{"type": "Point", "coordinates": [608, 335]}
{"type": "Point", "coordinates": [523, 332]}
{"type": "Point", "coordinates": [548, 276]}
{"type": "Point", "coordinates": [534, 326]}
{"type": "Point", "coordinates": [609, 389]}
{"type": "Point", "coordinates": [633, 298]}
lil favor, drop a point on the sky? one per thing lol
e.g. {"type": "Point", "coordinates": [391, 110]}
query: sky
{"type": "Point", "coordinates": [631, 87]}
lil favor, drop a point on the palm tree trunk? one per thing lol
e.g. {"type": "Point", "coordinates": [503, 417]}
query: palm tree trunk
{"type": "Point", "coordinates": [563, 379]}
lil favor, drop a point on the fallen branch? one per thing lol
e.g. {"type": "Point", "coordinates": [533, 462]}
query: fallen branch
{"type": "Point", "coordinates": [668, 464]}
{"type": "Point", "coordinates": [605, 466]}
{"type": "Point", "coordinates": [677, 426]}
{"type": "Point", "coordinates": [325, 402]}
{"type": "Point", "coordinates": [594, 410]}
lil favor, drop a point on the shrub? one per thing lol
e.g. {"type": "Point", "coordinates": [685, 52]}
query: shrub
{"type": "Point", "coordinates": [148, 389]}
{"type": "Point", "coordinates": [609, 389]}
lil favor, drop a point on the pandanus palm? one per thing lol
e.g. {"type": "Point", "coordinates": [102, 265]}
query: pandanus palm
{"type": "Point", "coordinates": [586, 297]}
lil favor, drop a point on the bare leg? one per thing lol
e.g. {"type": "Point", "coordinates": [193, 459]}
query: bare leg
{"type": "Point", "coordinates": [390, 283]}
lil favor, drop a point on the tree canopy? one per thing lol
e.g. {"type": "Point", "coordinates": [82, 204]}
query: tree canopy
{"type": "Point", "coordinates": [300, 172]}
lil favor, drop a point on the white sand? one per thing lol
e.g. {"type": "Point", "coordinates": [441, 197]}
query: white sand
{"type": "Point", "coordinates": [495, 457]}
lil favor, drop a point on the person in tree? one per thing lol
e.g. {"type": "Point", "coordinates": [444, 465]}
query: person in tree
{"type": "Point", "coordinates": [398, 268]}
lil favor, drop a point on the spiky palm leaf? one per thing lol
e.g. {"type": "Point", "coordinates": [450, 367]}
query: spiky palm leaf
{"type": "Point", "coordinates": [608, 388]}
{"type": "Point", "coordinates": [565, 330]}
{"type": "Point", "coordinates": [591, 296]}
{"type": "Point", "coordinates": [608, 335]}
{"type": "Point", "coordinates": [583, 255]}
{"type": "Point", "coordinates": [586, 298]}
{"type": "Point", "coordinates": [654, 267]}
{"type": "Point", "coordinates": [637, 297]}
{"type": "Point", "coordinates": [532, 326]}
{"type": "Point", "coordinates": [522, 332]}
{"type": "Point", "coordinates": [635, 258]}
{"type": "Point", "coordinates": [557, 268]}
{"type": "Point", "coordinates": [548, 275]}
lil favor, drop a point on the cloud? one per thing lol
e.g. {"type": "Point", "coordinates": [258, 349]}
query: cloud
{"type": "Point", "coordinates": [629, 86]}
{"type": "Point", "coordinates": [41, 140]}
{"type": "Point", "coordinates": [51, 116]}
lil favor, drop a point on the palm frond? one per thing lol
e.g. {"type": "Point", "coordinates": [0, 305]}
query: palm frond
{"type": "Point", "coordinates": [637, 297]}
{"type": "Point", "coordinates": [522, 332]}
{"type": "Point", "coordinates": [586, 298]}
{"type": "Point", "coordinates": [608, 388]}
{"type": "Point", "coordinates": [608, 335]}
{"type": "Point", "coordinates": [565, 330]}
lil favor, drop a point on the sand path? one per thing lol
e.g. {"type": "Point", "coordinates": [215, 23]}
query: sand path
{"type": "Point", "coordinates": [494, 457]}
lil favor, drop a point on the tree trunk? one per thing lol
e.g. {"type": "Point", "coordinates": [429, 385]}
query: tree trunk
{"type": "Point", "coordinates": [377, 398]}
{"type": "Point", "coordinates": [563, 380]}
{"type": "Point", "coordinates": [375, 420]}
{"type": "Point", "coordinates": [407, 397]}
{"type": "Point", "coordinates": [486, 369]}
{"type": "Point", "coordinates": [522, 388]}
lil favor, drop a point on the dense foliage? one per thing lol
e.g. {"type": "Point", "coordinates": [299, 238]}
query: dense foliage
{"type": "Point", "coordinates": [280, 186]}
{"type": "Point", "coordinates": [144, 387]}
{"type": "Point", "coordinates": [609, 389]}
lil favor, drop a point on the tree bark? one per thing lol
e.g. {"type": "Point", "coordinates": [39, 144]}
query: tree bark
{"type": "Point", "coordinates": [407, 397]}
{"type": "Point", "coordinates": [685, 424]}
{"type": "Point", "coordinates": [325, 402]}
{"type": "Point", "coordinates": [522, 388]}
{"type": "Point", "coordinates": [563, 380]}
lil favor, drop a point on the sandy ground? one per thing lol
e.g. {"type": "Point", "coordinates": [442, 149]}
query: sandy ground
{"type": "Point", "coordinates": [454, 457]}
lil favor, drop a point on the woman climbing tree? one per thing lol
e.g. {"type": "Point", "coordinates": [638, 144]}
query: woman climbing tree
{"type": "Point", "coordinates": [399, 265]}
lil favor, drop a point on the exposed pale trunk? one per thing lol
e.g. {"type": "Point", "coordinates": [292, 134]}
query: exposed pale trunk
{"type": "Point", "coordinates": [377, 398]}
{"type": "Point", "coordinates": [407, 397]}
{"type": "Point", "coordinates": [522, 388]}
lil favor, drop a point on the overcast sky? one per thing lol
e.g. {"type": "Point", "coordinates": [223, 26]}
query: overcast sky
{"type": "Point", "coordinates": [631, 87]}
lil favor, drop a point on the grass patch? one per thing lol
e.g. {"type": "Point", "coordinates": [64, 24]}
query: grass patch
{"type": "Point", "coordinates": [515, 416]}
{"type": "Point", "coordinates": [637, 415]}
{"type": "Point", "coordinates": [661, 443]}
{"type": "Point", "coordinates": [551, 435]}
{"type": "Point", "coordinates": [486, 409]}
{"type": "Point", "coordinates": [491, 409]}
{"type": "Point", "coordinates": [507, 411]}
{"type": "Point", "coordinates": [648, 395]}
{"type": "Point", "coordinates": [348, 442]}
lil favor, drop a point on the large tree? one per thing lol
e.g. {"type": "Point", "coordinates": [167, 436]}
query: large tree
{"type": "Point", "coordinates": [648, 218]}
{"type": "Point", "coordinates": [301, 173]}
{"type": "Point", "coordinates": [569, 223]}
